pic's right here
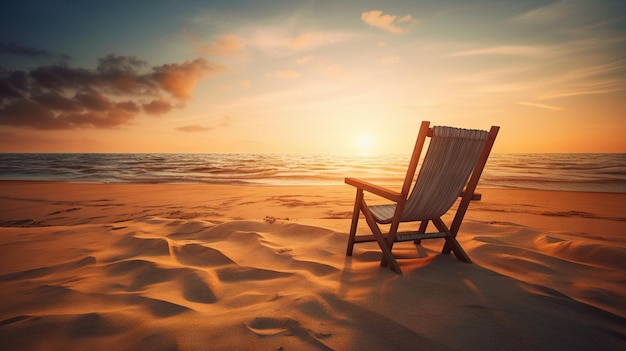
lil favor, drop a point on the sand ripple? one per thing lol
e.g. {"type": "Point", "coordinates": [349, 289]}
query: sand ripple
{"type": "Point", "coordinates": [172, 284]}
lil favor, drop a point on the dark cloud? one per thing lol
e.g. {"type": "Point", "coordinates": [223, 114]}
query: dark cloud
{"type": "Point", "coordinates": [158, 106]}
{"type": "Point", "coordinates": [115, 65]}
{"type": "Point", "coordinates": [120, 87]}
{"type": "Point", "coordinates": [21, 50]}
{"type": "Point", "coordinates": [55, 101]}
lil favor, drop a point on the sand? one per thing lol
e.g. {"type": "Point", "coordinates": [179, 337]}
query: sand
{"type": "Point", "coordinates": [210, 267]}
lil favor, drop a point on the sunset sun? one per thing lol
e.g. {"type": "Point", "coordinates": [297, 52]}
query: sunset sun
{"type": "Point", "coordinates": [365, 143]}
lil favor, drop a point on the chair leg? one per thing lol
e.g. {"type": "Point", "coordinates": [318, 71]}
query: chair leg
{"type": "Point", "coordinates": [355, 220]}
{"type": "Point", "coordinates": [456, 248]}
{"type": "Point", "coordinates": [447, 248]}
{"type": "Point", "coordinates": [451, 245]}
{"type": "Point", "coordinates": [422, 230]}
{"type": "Point", "coordinates": [382, 242]}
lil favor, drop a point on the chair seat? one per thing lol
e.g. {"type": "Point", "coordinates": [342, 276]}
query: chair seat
{"type": "Point", "coordinates": [383, 213]}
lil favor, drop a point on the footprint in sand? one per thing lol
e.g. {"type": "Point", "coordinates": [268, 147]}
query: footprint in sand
{"type": "Point", "coordinates": [273, 326]}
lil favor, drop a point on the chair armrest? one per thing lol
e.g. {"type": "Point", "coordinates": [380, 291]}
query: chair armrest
{"type": "Point", "coordinates": [475, 196]}
{"type": "Point", "coordinates": [375, 189]}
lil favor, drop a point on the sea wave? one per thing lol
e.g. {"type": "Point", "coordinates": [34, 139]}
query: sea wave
{"type": "Point", "coordinates": [573, 172]}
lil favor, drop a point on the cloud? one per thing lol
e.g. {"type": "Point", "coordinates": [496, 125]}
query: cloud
{"type": "Point", "coordinates": [313, 39]}
{"type": "Point", "coordinates": [29, 113]}
{"type": "Point", "coordinates": [158, 106]}
{"type": "Point", "coordinates": [304, 41]}
{"type": "Point", "coordinates": [193, 128]}
{"type": "Point", "coordinates": [507, 50]}
{"type": "Point", "coordinates": [538, 105]}
{"type": "Point", "coordinates": [285, 41]}
{"type": "Point", "coordinates": [228, 45]}
{"type": "Point", "coordinates": [63, 97]}
{"type": "Point", "coordinates": [551, 12]}
{"type": "Point", "coordinates": [179, 79]}
{"type": "Point", "coordinates": [287, 74]}
{"type": "Point", "coordinates": [376, 18]}
{"type": "Point", "coordinates": [589, 80]}
{"type": "Point", "coordinates": [325, 66]}
{"type": "Point", "coordinates": [405, 19]}
{"type": "Point", "coordinates": [21, 50]}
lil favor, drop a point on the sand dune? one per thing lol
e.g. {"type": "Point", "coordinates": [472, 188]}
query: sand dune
{"type": "Point", "coordinates": [202, 267]}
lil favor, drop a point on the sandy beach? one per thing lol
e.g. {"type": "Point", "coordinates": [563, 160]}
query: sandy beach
{"type": "Point", "coordinates": [211, 267]}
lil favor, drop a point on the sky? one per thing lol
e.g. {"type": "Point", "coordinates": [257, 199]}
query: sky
{"type": "Point", "coordinates": [309, 76]}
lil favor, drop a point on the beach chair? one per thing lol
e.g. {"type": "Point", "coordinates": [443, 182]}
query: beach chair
{"type": "Point", "coordinates": [451, 168]}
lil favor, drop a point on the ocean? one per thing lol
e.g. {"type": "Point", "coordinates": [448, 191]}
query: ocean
{"type": "Point", "coordinates": [568, 172]}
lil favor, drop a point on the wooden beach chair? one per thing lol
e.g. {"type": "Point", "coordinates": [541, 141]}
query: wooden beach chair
{"type": "Point", "coordinates": [451, 168]}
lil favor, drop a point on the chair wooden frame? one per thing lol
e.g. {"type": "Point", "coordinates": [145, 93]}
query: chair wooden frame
{"type": "Point", "coordinates": [386, 240]}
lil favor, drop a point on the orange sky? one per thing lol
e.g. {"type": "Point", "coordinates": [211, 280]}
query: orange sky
{"type": "Point", "coordinates": [315, 76]}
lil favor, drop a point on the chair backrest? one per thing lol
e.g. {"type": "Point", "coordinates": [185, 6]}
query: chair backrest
{"type": "Point", "coordinates": [450, 159]}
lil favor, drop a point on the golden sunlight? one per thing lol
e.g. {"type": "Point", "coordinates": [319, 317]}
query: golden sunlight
{"type": "Point", "coordinates": [365, 143]}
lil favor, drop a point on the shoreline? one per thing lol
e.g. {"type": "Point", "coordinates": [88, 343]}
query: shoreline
{"type": "Point", "coordinates": [205, 266]}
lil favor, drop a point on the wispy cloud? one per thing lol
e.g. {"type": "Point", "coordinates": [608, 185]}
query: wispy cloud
{"type": "Point", "coordinates": [591, 80]}
{"type": "Point", "coordinates": [313, 39]}
{"type": "Point", "coordinates": [586, 88]}
{"type": "Point", "coordinates": [588, 64]}
{"type": "Point", "coordinates": [389, 23]}
{"type": "Point", "coordinates": [509, 50]}
{"type": "Point", "coordinates": [538, 105]}
{"type": "Point", "coordinates": [228, 45]}
{"type": "Point", "coordinates": [538, 83]}
{"type": "Point", "coordinates": [284, 41]}
{"type": "Point", "coordinates": [195, 128]}
{"type": "Point", "coordinates": [118, 89]}
{"type": "Point", "coordinates": [324, 66]}
{"type": "Point", "coordinates": [286, 74]}
{"type": "Point", "coordinates": [551, 12]}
